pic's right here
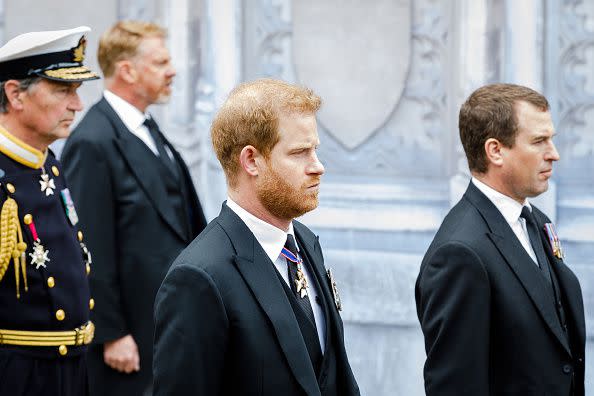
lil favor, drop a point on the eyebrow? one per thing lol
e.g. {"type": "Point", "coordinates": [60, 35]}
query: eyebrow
{"type": "Point", "coordinates": [543, 135]}
{"type": "Point", "coordinates": [304, 146]}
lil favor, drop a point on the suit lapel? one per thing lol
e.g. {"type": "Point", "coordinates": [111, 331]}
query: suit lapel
{"type": "Point", "coordinates": [568, 282]}
{"type": "Point", "coordinates": [519, 261]}
{"type": "Point", "coordinates": [311, 248]}
{"type": "Point", "coordinates": [259, 274]}
{"type": "Point", "coordinates": [140, 161]}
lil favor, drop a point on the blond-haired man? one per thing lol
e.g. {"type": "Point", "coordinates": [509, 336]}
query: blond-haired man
{"type": "Point", "coordinates": [248, 308]}
{"type": "Point", "coordinates": [136, 200]}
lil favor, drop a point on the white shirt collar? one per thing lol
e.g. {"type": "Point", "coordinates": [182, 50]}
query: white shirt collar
{"type": "Point", "coordinates": [509, 208]}
{"type": "Point", "coordinates": [271, 238]}
{"type": "Point", "coordinates": [130, 115]}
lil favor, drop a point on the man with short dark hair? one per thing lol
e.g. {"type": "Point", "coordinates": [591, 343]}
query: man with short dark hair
{"type": "Point", "coordinates": [248, 308]}
{"type": "Point", "coordinates": [44, 263]}
{"type": "Point", "coordinates": [501, 312]}
{"type": "Point", "coordinates": [136, 201]}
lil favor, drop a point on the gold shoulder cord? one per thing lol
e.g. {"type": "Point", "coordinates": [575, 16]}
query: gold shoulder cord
{"type": "Point", "coordinates": [11, 243]}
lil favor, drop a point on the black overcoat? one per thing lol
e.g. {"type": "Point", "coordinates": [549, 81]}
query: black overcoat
{"type": "Point", "coordinates": [487, 314]}
{"type": "Point", "coordinates": [133, 231]}
{"type": "Point", "coordinates": [224, 325]}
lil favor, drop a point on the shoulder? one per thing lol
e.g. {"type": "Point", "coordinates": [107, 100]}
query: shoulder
{"type": "Point", "coordinates": [463, 224]}
{"type": "Point", "coordinates": [96, 125]}
{"type": "Point", "coordinates": [212, 250]}
{"type": "Point", "coordinates": [94, 134]}
{"type": "Point", "coordinates": [460, 242]}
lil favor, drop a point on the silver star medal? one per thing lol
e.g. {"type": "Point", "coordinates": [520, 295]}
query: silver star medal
{"type": "Point", "coordinates": [39, 255]}
{"type": "Point", "coordinates": [301, 283]}
{"type": "Point", "coordinates": [47, 184]}
{"type": "Point", "coordinates": [335, 294]}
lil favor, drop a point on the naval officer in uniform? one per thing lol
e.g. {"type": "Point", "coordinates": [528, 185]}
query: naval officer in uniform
{"type": "Point", "coordinates": [44, 263]}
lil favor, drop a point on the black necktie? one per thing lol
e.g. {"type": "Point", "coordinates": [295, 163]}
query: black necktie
{"type": "Point", "coordinates": [153, 129]}
{"type": "Point", "coordinates": [304, 302]}
{"type": "Point", "coordinates": [536, 242]}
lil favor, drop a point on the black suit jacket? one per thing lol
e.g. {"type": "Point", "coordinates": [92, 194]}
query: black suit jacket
{"type": "Point", "coordinates": [132, 232]}
{"type": "Point", "coordinates": [488, 316]}
{"type": "Point", "coordinates": [224, 325]}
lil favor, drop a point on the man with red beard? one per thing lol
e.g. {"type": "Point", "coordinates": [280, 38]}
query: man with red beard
{"type": "Point", "coordinates": [136, 202]}
{"type": "Point", "coordinates": [248, 308]}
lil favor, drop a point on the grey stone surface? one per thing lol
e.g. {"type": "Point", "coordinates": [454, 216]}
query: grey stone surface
{"type": "Point", "coordinates": [386, 360]}
{"type": "Point", "coordinates": [334, 41]}
{"type": "Point", "coordinates": [376, 288]}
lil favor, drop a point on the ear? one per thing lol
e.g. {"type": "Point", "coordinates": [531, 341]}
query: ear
{"type": "Point", "coordinates": [493, 150]}
{"type": "Point", "coordinates": [14, 94]}
{"type": "Point", "coordinates": [250, 160]}
{"type": "Point", "coordinates": [126, 71]}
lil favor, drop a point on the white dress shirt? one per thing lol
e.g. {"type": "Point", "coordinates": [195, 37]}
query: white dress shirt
{"type": "Point", "coordinates": [133, 119]}
{"type": "Point", "coordinates": [511, 211]}
{"type": "Point", "coordinates": [273, 240]}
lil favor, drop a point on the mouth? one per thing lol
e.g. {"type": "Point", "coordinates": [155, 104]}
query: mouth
{"type": "Point", "coordinates": [313, 187]}
{"type": "Point", "coordinates": [547, 173]}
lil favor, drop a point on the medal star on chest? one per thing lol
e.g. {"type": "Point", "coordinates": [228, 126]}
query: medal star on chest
{"type": "Point", "coordinates": [39, 255]}
{"type": "Point", "coordinates": [47, 184]}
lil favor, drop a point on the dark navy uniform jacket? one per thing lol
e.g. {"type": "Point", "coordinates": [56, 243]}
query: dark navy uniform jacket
{"type": "Point", "coordinates": [58, 297]}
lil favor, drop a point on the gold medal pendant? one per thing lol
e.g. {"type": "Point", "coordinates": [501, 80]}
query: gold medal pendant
{"type": "Point", "coordinates": [301, 283]}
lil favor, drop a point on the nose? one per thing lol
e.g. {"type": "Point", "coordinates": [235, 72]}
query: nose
{"type": "Point", "coordinates": [171, 72]}
{"type": "Point", "coordinates": [75, 103]}
{"type": "Point", "coordinates": [553, 154]}
{"type": "Point", "coordinates": [316, 168]}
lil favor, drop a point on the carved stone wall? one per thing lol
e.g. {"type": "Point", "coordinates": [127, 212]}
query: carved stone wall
{"type": "Point", "coordinates": [570, 88]}
{"type": "Point", "coordinates": [384, 195]}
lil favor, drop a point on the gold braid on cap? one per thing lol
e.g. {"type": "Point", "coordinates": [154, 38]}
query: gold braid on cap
{"type": "Point", "coordinates": [11, 243]}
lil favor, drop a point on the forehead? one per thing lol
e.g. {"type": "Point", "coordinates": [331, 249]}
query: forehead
{"type": "Point", "coordinates": [532, 118]}
{"type": "Point", "coordinates": [297, 127]}
{"type": "Point", "coordinates": [46, 84]}
{"type": "Point", "coordinates": [151, 46]}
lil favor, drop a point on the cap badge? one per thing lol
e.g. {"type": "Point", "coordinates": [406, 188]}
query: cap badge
{"type": "Point", "coordinates": [79, 51]}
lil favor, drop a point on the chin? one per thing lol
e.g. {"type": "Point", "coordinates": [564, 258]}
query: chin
{"type": "Point", "coordinates": [61, 134]}
{"type": "Point", "coordinates": [163, 98]}
{"type": "Point", "coordinates": [309, 205]}
{"type": "Point", "coordinates": [538, 191]}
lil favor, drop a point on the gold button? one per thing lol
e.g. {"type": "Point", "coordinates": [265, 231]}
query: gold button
{"type": "Point", "coordinates": [27, 219]}
{"type": "Point", "coordinates": [60, 314]}
{"type": "Point", "coordinates": [88, 268]}
{"type": "Point", "coordinates": [51, 282]}
{"type": "Point", "coordinates": [10, 188]}
{"type": "Point", "coordinates": [55, 170]}
{"type": "Point", "coordinates": [80, 236]}
{"type": "Point", "coordinates": [91, 304]}
{"type": "Point", "coordinates": [62, 350]}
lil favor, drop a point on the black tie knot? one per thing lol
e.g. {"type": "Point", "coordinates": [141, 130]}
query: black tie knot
{"type": "Point", "coordinates": [290, 244]}
{"type": "Point", "coordinates": [528, 216]}
{"type": "Point", "coordinates": [150, 123]}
